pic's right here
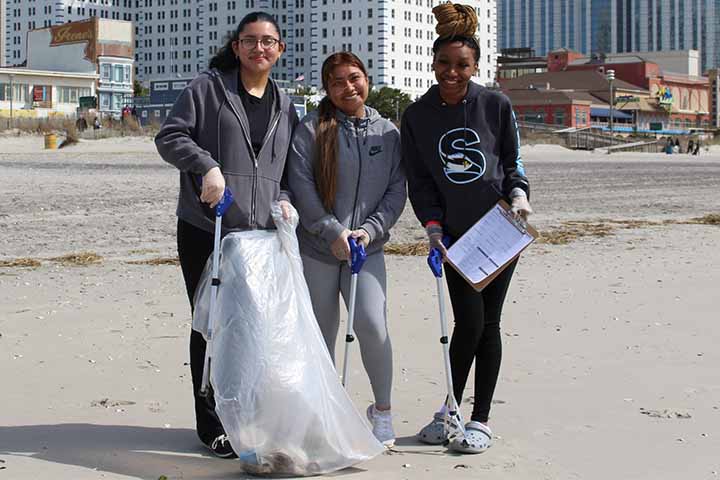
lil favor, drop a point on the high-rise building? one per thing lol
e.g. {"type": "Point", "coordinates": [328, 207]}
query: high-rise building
{"type": "Point", "coordinates": [612, 26]}
{"type": "Point", "coordinates": [2, 33]}
{"type": "Point", "coordinates": [177, 38]}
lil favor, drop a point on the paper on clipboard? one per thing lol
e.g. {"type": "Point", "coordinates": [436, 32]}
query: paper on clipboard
{"type": "Point", "coordinates": [489, 245]}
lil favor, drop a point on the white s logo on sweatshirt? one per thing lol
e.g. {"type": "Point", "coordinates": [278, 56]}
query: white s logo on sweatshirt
{"type": "Point", "coordinates": [461, 162]}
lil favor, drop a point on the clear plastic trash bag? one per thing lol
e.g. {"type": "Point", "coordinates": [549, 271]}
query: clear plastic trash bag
{"type": "Point", "coordinates": [277, 392]}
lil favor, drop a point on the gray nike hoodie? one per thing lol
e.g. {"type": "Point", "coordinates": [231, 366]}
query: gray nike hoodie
{"type": "Point", "coordinates": [371, 187]}
{"type": "Point", "coordinates": [208, 127]}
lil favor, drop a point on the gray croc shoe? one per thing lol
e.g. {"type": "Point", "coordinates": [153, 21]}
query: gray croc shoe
{"type": "Point", "coordinates": [434, 432]}
{"type": "Point", "coordinates": [478, 438]}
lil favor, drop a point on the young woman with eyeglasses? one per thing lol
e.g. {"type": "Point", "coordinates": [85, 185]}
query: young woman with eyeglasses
{"type": "Point", "coordinates": [231, 126]}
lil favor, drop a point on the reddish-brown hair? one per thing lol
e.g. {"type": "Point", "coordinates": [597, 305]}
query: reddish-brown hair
{"type": "Point", "coordinates": [327, 130]}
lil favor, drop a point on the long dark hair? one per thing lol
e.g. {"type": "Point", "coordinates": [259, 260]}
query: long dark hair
{"type": "Point", "coordinates": [225, 59]}
{"type": "Point", "coordinates": [327, 130]}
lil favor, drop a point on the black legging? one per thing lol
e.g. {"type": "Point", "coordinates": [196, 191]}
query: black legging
{"type": "Point", "coordinates": [477, 336]}
{"type": "Point", "coordinates": [194, 248]}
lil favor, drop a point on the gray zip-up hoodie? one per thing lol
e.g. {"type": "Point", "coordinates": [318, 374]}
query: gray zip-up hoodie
{"type": "Point", "coordinates": [208, 127]}
{"type": "Point", "coordinates": [371, 189]}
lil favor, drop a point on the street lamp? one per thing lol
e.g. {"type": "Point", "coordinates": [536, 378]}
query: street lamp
{"type": "Point", "coordinates": [610, 75]}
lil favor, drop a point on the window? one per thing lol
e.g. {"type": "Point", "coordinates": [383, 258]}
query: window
{"type": "Point", "coordinates": [68, 94]}
{"type": "Point", "coordinates": [105, 101]}
{"type": "Point", "coordinates": [119, 73]}
{"type": "Point", "coordinates": [105, 71]}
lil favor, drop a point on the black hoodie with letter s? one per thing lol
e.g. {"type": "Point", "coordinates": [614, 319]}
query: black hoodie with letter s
{"type": "Point", "coordinates": [460, 159]}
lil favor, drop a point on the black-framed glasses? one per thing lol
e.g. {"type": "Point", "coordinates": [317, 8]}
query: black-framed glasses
{"type": "Point", "coordinates": [265, 42]}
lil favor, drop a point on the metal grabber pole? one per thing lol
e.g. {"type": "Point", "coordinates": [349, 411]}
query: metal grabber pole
{"type": "Point", "coordinates": [357, 259]}
{"type": "Point", "coordinates": [220, 209]}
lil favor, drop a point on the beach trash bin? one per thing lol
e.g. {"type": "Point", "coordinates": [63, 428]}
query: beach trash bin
{"type": "Point", "coordinates": [50, 141]}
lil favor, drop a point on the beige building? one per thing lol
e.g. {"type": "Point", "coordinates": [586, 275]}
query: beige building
{"type": "Point", "coordinates": [96, 45]}
{"type": "Point", "coordinates": [92, 58]}
{"type": "Point", "coordinates": [27, 93]}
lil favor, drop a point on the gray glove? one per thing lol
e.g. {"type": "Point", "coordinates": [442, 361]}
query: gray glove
{"type": "Point", "coordinates": [434, 233]}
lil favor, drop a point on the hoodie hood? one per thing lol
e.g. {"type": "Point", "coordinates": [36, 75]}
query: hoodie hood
{"type": "Point", "coordinates": [358, 126]}
{"type": "Point", "coordinates": [432, 97]}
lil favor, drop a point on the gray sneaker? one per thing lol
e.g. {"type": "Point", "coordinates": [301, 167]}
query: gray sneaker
{"type": "Point", "coordinates": [381, 425]}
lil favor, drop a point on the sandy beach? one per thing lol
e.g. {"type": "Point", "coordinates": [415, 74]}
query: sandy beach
{"type": "Point", "coordinates": [610, 363]}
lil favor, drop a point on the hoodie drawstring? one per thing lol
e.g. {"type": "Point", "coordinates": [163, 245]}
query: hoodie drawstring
{"type": "Point", "coordinates": [464, 129]}
{"type": "Point", "coordinates": [217, 124]}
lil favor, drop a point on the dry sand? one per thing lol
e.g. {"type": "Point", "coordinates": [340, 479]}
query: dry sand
{"type": "Point", "coordinates": [611, 358]}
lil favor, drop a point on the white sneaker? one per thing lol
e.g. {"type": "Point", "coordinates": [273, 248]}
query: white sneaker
{"type": "Point", "coordinates": [381, 425]}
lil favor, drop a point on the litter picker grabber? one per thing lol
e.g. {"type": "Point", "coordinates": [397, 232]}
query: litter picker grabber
{"type": "Point", "coordinates": [453, 423]}
{"type": "Point", "coordinates": [357, 259]}
{"type": "Point", "coordinates": [220, 209]}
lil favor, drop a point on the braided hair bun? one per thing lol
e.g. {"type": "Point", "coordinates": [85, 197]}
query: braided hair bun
{"type": "Point", "coordinates": [455, 20]}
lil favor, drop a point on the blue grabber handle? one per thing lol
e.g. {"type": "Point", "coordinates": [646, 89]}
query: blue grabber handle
{"type": "Point", "coordinates": [357, 255]}
{"type": "Point", "coordinates": [435, 258]}
{"type": "Point", "coordinates": [225, 203]}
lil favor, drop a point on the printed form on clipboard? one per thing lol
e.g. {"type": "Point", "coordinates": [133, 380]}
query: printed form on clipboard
{"type": "Point", "coordinates": [490, 245]}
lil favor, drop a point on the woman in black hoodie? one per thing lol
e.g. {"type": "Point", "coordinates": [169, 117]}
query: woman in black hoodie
{"type": "Point", "coordinates": [460, 146]}
{"type": "Point", "coordinates": [230, 126]}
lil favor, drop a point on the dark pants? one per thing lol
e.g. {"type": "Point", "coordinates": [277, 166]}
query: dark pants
{"type": "Point", "coordinates": [194, 248]}
{"type": "Point", "coordinates": [477, 336]}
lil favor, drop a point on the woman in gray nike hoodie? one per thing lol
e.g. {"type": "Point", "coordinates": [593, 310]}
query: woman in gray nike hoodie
{"type": "Point", "coordinates": [345, 174]}
{"type": "Point", "coordinates": [231, 126]}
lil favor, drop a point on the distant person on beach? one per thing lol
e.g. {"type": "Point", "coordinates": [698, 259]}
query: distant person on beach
{"type": "Point", "coordinates": [691, 146]}
{"type": "Point", "coordinates": [697, 147]}
{"type": "Point", "coordinates": [231, 126]}
{"type": "Point", "coordinates": [346, 175]}
{"type": "Point", "coordinates": [676, 146]}
{"type": "Point", "coordinates": [460, 146]}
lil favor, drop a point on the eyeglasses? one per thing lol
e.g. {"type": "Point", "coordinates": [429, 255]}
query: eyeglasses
{"type": "Point", "coordinates": [265, 42]}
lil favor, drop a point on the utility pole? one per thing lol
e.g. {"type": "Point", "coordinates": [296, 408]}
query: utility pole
{"type": "Point", "coordinates": [12, 94]}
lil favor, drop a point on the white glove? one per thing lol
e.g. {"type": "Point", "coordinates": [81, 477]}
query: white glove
{"type": "Point", "coordinates": [520, 204]}
{"type": "Point", "coordinates": [213, 187]}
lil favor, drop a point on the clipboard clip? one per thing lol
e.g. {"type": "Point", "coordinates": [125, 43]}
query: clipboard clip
{"type": "Point", "coordinates": [518, 223]}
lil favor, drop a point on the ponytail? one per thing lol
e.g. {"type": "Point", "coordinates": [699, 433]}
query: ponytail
{"type": "Point", "coordinates": [326, 163]}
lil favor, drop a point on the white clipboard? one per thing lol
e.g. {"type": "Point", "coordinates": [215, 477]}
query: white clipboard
{"type": "Point", "coordinates": [490, 245]}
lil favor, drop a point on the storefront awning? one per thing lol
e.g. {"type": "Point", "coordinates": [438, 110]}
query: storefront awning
{"type": "Point", "coordinates": [605, 113]}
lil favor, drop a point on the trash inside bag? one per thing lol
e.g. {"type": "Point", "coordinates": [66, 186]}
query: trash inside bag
{"type": "Point", "coordinates": [277, 393]}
